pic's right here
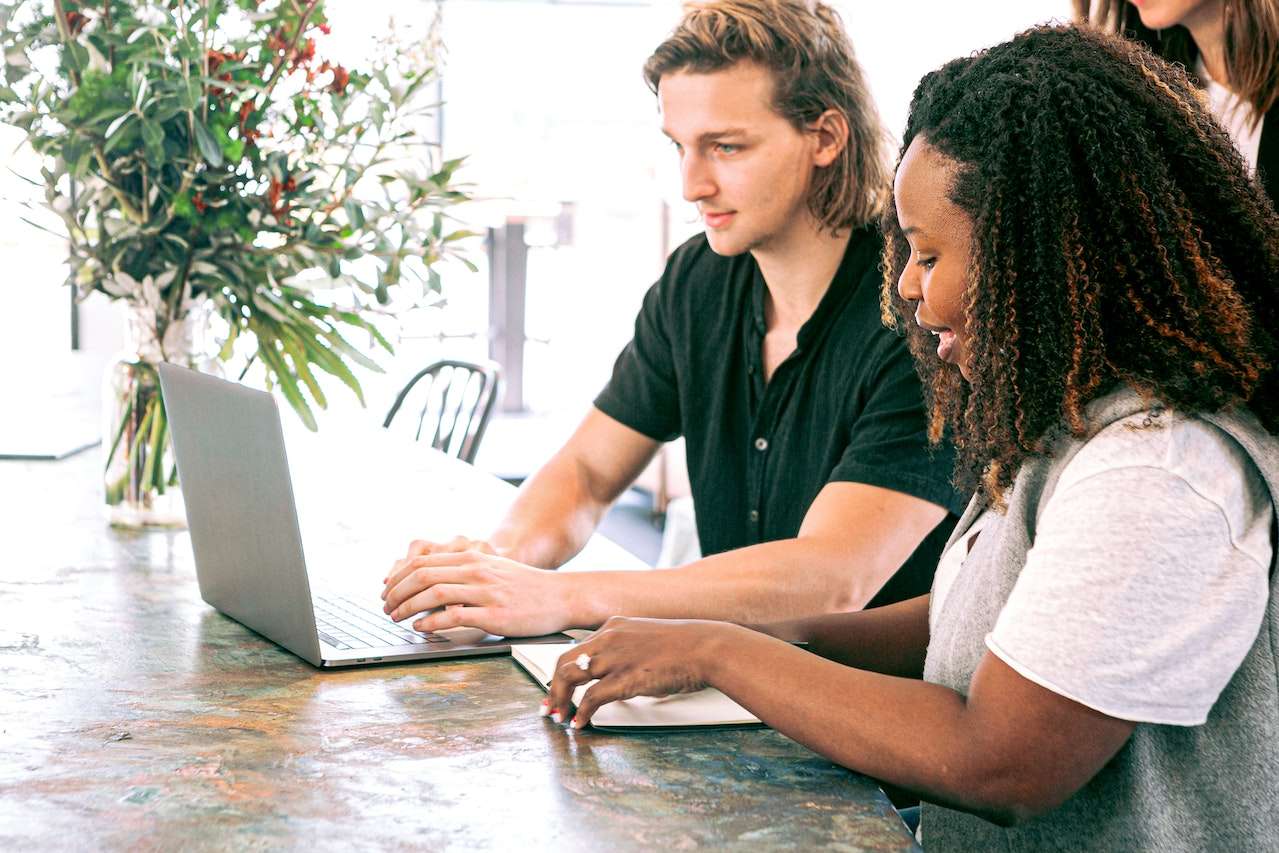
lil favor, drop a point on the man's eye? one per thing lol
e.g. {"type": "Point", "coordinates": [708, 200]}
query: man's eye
{"type": "Point", "coordinates": [726, 148]}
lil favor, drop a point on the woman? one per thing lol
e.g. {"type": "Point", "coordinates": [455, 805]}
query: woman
{"type": "Point", "coordinates": [1231, 47]}
{"type": "Point", "coordinates": [1088, 278]}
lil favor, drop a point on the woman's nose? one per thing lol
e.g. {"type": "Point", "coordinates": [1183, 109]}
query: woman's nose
{"type": "Point", "coordinates": [908, 284]}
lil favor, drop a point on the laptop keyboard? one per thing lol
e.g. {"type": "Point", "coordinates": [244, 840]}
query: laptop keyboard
{"type": "Point", "coordinates": [344, 624]}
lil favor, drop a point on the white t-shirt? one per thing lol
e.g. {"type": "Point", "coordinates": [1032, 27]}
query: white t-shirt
{"type": "Point", "coordinates": [1149, 576]}
{"type": "Point", "coordinates": [1235, 116]}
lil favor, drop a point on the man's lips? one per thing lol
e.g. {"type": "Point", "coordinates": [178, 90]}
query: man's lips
{"type": "Point", "coordinates": [717, 219]}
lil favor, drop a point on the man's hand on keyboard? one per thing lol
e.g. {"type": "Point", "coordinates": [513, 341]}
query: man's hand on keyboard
{"type": "Point", "coordinates": [479, 590]}
{"type": "Point", "coordinates": [421, 547]}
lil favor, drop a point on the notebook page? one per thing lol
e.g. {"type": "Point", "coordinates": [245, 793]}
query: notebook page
{"type": "Point", "coordinates": [704, 708]}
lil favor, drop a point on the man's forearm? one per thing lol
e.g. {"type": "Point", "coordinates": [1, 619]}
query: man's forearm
{"type": "Point", "coordinates": [787, 579]}
{"type": "Point", "coordinates": [552, 518]}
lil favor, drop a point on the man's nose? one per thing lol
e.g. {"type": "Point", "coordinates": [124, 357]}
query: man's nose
{"type": "Point", "coordinates": [696, 178]}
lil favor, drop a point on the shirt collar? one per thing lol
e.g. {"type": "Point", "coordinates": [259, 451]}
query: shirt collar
{"type": "Point", "coordinates": [841, 287]}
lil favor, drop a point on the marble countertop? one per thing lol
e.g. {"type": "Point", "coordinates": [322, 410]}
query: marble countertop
{"type": "Point", "coordinates": [134, 716]}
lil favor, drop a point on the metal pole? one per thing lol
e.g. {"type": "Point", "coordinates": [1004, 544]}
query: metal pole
{"type": "Point", "coordinates": [508, 287]}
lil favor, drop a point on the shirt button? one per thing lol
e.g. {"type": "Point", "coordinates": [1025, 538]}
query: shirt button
{"type": "Point", "coordinates": [761, 443]}
{"type": "Point", "coordinates": [754, 515]}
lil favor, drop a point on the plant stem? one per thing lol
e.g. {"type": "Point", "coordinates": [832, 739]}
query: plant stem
{"type": "Point", "coordinates": [176, 288]}
{"type": "Point", "coordinates": [146, 200]}
{"type": "Point", "coordinates": [204, 65]}
{"type": "Point", "coordinates": [279, 69]}
{"type": "Point", "coordinates": [135, 448]}
{"type": "Point", "coordinates": [106, 27]}
{"type": "Point", "coordinates": [64, 34]}
{"type": "Point", "coordinates": [114, 183]}
{"type": "Point", "coordinates": [188, 177]}
{"type": "Point", "coordinates": [156, 416]}
{"type": "Point", "coordinates": [60, 15]}
{"type": "Point", "coordinates": [159, 437]}
{"type": "Point", "coordinates": [124, 422]}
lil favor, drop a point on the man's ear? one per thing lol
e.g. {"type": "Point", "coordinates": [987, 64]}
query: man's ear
{"type": "Point", "coordinates": [831, 131]}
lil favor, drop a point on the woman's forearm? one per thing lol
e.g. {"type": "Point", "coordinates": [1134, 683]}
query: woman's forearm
{"type": "Point", "coordinates": [914, 735]}
{"type": "Point", "coordinates": [891, 640]}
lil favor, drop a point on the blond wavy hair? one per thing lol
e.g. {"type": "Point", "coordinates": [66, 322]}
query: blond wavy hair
{"type": "Point", "coordinates": [804, 45]}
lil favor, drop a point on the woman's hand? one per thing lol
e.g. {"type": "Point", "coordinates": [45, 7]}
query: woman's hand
{"type": "Point", "coordinates": [636, 657]}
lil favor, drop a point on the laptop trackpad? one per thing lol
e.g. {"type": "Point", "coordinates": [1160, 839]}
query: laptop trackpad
{"type": "Point", "coordinates": [470, 636]}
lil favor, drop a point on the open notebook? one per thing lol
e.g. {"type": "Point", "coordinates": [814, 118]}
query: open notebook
{"type": "Point", "coordinates": [704, 708]}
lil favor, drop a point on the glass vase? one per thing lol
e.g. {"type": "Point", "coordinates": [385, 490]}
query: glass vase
{"type": "Point", "coordinates": [141, 474]}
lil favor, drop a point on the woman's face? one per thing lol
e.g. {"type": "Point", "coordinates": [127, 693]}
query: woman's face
{"type": "Point", "coordinates": [935, 275]}
{"type": "Point", "coordinates": [1161, 14]}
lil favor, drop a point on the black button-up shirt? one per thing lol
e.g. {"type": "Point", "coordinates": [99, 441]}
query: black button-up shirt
{"type": "Point", "coordinates": [845, 406]}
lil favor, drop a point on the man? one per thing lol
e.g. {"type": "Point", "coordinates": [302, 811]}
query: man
{"type": "Point", "coordinates": [762, 345]}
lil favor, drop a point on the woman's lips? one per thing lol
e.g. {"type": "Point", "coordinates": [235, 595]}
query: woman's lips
{"type": "Point", "coordinates": [945, 338]}
{"type": "Point", "coordinates": [717, 220]}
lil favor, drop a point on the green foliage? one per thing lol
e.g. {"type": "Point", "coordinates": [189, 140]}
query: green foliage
{"type": "Point", "coordinates": [294, 193]}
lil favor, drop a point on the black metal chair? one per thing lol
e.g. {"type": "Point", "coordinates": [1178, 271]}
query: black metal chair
{"type": "Point", "coordinates": [454, 401]}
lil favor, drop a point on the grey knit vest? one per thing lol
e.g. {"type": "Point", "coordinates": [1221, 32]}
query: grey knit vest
{"type": "Point", "coordinates": [1170, 788]}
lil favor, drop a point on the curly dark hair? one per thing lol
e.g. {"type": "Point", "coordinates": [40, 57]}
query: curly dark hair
{"type": "Point", "coordinates": [1117, 238]}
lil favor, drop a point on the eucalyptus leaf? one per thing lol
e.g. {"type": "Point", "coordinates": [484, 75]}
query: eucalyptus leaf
{"type": "Point", "coordinates": [354, 213]}
{"type": "Point", "coordinates": [117, 124]}
{"type": "Point", "coordinates": [152, 133]}
{"type": "Point", "coordinates": [346, 349]}
{"type": "Point", "coordinates": [208, 146]}
{"type": "Point", "coordinates": [287, 385]}
{"type": "Point", "coordinates": [140, 92]}
{"type": "Point", "coordinates": [190, 153]}
{"type": "Point", "coordinates": [301, 363]}
{"type": "Point", "coordinates": [228, 346]}
{"type": "Point", "coordinates": [330, 362]}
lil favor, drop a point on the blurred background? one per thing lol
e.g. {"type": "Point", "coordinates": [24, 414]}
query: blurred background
{"type": "Point", "coordinates": [578, 199]}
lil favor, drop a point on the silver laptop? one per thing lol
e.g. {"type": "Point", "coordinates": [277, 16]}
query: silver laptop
{"type": "Point", "coordinates": [248, 544]}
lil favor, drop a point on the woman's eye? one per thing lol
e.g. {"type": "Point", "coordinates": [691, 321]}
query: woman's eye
{"type": "Point", "coordinates": [927, 263]}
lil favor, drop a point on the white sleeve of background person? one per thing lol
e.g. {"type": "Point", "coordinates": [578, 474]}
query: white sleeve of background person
{"type": "Point", "coordinates": [1149, 576]}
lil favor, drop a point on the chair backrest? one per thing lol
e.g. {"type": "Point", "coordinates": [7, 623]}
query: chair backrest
{"type": "Point", "coordinates": [452, 402]}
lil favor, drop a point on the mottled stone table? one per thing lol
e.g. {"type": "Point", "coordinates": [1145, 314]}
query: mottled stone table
{"type": "Point", "coordinates": [133, 716]}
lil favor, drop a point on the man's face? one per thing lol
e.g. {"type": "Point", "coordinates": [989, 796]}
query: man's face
{"type": "Point", "coordinates": [745, 167]}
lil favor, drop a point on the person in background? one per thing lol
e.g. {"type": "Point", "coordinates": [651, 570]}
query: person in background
{"type": "Point", "coordinates": [1231, 48]}
{"type": "Point", "coordinates": [761, 344]}
{"type": "Point", "coordinates": [1090, 282]}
